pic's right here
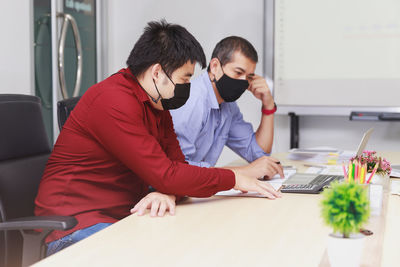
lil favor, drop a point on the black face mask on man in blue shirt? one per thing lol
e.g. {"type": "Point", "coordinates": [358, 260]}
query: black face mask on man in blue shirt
{"type": "Point", "coordinates": [230, 89]}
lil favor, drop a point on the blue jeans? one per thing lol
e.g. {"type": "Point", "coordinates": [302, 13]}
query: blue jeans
{"type": "Point", "coordinates": [76, 236]}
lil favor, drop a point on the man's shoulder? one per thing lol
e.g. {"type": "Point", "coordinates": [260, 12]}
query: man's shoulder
{"type": "Point", "coordinates": [199, 89]}
{"type": "Point", "coordinates": [111, 92]}
{"type": "Point", "coordinates": [197, 101]}
{"type": "Point", "coordinates": [231, 107]}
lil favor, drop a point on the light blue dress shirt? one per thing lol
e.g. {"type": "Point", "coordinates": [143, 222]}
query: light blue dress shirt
{"type": "Point", "coordinates": [203, 127]}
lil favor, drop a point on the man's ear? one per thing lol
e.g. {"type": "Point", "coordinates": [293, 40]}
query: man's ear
{"type": "Point", "coordinates": [155, 71]}
{"type": "Point", "coordinates": [214, 63]}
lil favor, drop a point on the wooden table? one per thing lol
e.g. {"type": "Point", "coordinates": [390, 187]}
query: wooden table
{"type": "Point", "coordinates": [229, 231]}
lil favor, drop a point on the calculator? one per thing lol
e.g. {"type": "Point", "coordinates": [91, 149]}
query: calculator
{"type": "Point", "coordinates": [308, 183]}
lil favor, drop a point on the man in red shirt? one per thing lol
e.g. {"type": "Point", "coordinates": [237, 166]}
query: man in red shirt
{"type": "Point", "coordinates": [119, 140]}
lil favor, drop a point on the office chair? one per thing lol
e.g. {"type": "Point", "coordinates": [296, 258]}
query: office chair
{"type": "Point", "coordinates": [64, 108]}
{"type": "Point", "coordinates": [24, 150]}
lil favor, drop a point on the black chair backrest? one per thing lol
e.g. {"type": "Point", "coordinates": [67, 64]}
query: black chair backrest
{"type": "Point", "coordinates": [22, 127]}
{"type": "Point", "coordinates": [64, 109]}
{"type": "Point", "coordinates": [24, 150]}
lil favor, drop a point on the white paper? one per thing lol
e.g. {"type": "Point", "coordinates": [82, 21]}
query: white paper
{"type": "Point", "coordinates": [395, 187]}
{"type": "Point", "coordinates": [322, 157]}
{"type": "Point", "coordinates": [333, 170]}
{"type": "Point", "coordinates": [275, 181]}
{"type": "Point", "coordinates": [323, 150]}
{"type": "Point", "coordinates": [395, 171]}
{"type": "Point", "coordinates": [315, 170]}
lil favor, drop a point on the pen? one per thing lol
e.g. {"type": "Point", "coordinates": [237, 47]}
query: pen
{"type": "Point", "coordinates": [286, 167]}
{"type": "Point", "coordinates": [315, 166]}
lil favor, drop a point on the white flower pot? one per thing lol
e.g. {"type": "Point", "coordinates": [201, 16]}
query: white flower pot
{"type": "Point", "coordinates": [345, 252]}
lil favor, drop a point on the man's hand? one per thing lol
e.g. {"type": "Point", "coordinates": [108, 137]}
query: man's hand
{"type": "Point", "coordinates": [157, 202]}
{"type": "Point", "coordinates": [246, 183]}
{"type": "Point", "coordinates": [259, 88]}
{"type": "Point", "coordinates": [264, 166]}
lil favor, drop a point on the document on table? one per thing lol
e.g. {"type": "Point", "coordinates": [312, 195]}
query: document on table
{"type": "Point", "coordinates": [326, 169]}
{"type": "Point", "coordinates": [321, 156]}
{"type": "Point", "coordinates": [395, 187]}
{"type": "Point", "coordinates": [275, 181]}
{"type": "Point", "coordinates": [395, 171]}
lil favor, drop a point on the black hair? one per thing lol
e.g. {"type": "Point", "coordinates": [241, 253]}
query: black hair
{"type": "Point", "coordinates": [227, 46]}
{"type": "Point", "coordinates": [170, 45]}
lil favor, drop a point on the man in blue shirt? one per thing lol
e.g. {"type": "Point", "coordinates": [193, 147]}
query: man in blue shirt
{"type": "Point", "coordinates": [211, 119]}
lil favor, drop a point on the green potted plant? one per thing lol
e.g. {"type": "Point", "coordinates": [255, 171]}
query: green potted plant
{"type": "Point", "coordinates": [345, 207]}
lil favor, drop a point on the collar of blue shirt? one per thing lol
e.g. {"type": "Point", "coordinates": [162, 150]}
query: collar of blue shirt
{"type": "Point", "coordinates": [211, 94]}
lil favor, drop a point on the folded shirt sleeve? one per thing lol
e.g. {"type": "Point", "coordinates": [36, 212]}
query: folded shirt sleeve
{"type": "Point", "coordinates": [241, 137]}
{"type": "Point", "coordinates": [200, 164]}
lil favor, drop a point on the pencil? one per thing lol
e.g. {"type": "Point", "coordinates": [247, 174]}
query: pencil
{"type": "Point", "coordinates": [349, 173]}
{"type": "Point", "coordinates": [365, 171]}
{"type": "Point", "coordinates": [373, 172]}
{"type": "Point", "coordinates": [356, 171]}
{"type": "Point", "coordinates": [362, 175]}
{"type": "Point", "coordinates": [344, 171]}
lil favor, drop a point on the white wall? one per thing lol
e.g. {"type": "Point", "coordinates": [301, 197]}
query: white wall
{"type": "Point", "coordinates": [209, 21]}
{"type": "Point", "coordinates": [339, 132]}
{"type": "Point", "coordinates": [16, 48]}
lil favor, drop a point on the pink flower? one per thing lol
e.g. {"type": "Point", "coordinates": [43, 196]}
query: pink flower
{"type": "Point", "coordinates": [371, 159]}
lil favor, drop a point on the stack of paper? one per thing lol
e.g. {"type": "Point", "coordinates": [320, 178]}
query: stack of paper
{"type": "Point", "coordinates": [321, 155]}
{"type": "Point", "coordinates": [395, 187]}
{"type": "Point", "coordinates": [395, 171]}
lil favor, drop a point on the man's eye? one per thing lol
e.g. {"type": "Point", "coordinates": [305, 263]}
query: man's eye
{"type": "Point", "coordinates": [238, 73]}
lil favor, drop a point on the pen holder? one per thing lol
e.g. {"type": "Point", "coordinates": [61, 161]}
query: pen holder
{"type": "Point", "coordinates": [375, 196]}
{"type": "Point", "coordinates": [384, 180]}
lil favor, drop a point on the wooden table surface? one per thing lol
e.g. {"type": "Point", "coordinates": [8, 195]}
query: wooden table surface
{"type": "Point", "coordinates": [233, 231]}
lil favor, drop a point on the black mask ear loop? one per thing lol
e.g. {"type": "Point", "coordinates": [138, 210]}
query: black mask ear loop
{"type": "Point", "coordinates": [169, 77]}
{"type": "Point", "coordinates": [152, 98]}
{"type": "Point", "coordinates": [159, 95]}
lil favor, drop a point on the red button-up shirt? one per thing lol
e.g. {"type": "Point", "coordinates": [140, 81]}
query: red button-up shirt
{"type": "Point", "coordinates": [112, 147]}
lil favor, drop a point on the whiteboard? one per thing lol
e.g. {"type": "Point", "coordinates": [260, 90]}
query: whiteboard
{"type": "Point", "coordinates": [337, 55]}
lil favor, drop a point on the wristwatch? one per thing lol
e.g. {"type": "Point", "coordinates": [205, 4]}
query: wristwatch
{"type": "Point", "coordinates": [269, 111]}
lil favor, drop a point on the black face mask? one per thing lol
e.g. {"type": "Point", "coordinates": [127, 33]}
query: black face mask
{"type": "Point", "coordinates": [230, 89]}
{"type": "Point", "coordinates": [181, 95]}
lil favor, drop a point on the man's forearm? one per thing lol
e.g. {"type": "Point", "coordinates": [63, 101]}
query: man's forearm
{"type": "Point", "coordinates": [265, 133]}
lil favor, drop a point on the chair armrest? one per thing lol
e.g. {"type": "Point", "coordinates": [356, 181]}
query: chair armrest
{"type": "Point", "coordinates": [40, 222]}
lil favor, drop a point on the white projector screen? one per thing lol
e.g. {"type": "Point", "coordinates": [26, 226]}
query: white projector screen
{"type": "Point", "coordinates": [337, 53]}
